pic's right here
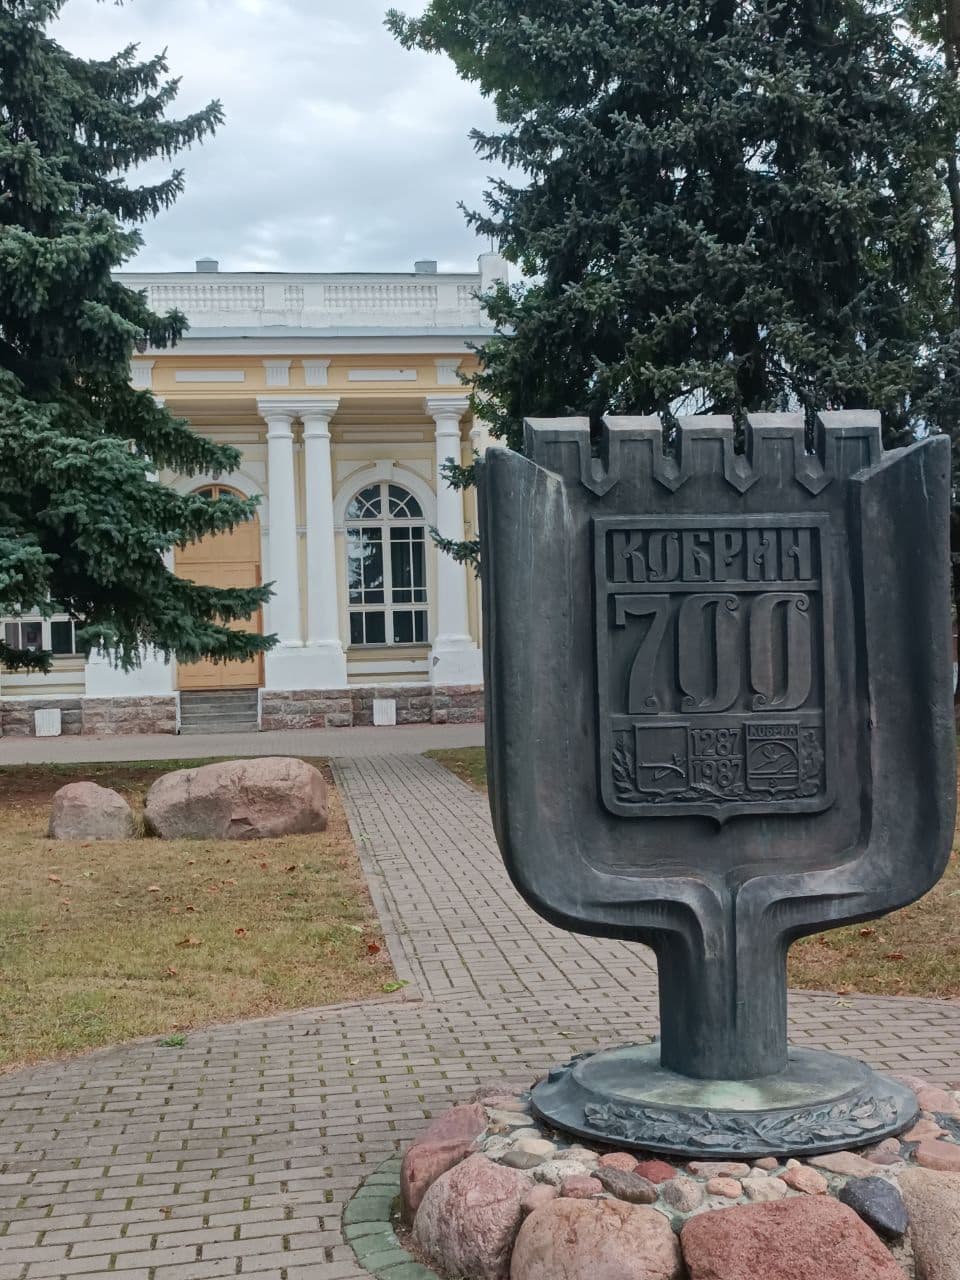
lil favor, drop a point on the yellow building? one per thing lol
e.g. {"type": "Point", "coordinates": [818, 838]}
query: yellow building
{"type": "Point", "coordinates": [343, 394]}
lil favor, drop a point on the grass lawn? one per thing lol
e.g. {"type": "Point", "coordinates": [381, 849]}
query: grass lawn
{"type": "Point", "coordinates": [105, 941]}
{"type": "Point", "coordinates": [468, 763]}
{"type": "Point", "coordinates": [911, 952]}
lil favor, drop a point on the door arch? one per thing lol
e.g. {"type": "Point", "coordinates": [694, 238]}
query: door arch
{"type": "Point", "coordinates": [229, 559]}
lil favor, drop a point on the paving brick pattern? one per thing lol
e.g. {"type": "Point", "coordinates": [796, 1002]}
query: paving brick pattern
{"type": "Point", "coordinates": [235, 1154]}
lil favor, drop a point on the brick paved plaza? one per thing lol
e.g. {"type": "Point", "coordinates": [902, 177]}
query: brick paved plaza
{"type": "Point", "coordinates": [235, 1154]}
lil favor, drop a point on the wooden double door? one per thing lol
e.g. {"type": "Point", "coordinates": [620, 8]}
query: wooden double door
{"type": "Point", "coordinates": [229, 559]}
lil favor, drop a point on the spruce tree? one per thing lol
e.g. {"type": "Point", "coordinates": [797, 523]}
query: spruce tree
{"type": "Point", "coordinates": [722, 206]}
{"type": "Point", "coordinates": [84, 524]}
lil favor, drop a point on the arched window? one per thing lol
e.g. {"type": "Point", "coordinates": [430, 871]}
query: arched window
{"type": "Point", "coordinates": [217, 491]}
{"type": "Point", "coordinates": [386, 567]}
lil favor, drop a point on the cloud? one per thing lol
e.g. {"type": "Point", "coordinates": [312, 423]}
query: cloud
{"type": "Point", "coordinates": [341, 151]}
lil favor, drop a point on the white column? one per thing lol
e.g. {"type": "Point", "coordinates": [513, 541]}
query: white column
{"type": "Point", "coordinates": [456, 658]}
{"type": "Point", "coordinates": [282, 664]}
{"type": "Point", "coordinates": [323, 632]}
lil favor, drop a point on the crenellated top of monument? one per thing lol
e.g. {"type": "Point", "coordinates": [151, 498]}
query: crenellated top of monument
{"type": "Point", "coordinates": [775, 445]}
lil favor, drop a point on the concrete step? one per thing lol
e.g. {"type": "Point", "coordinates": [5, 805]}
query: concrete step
{"type": "Point", "coordinates": [220, 726]}
{"type": "Point", "coordinates": [239, 699]}
{"type": "Point", "coordinates": [219, 711]}
{"type": "Point", "coordinates": [205, 712]}
{"type": "Point", "coordinates": [231, 724]}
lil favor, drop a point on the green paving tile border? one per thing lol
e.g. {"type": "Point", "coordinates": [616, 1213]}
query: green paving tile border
{"type": "Point", "coordinates": [368, 1227]}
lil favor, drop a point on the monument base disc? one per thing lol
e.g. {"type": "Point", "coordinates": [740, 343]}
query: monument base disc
{"type": "Point", "coordinates": [820, 1102]}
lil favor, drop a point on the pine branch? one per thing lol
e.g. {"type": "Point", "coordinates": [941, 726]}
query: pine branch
{"type": "Point", "coordinates": [36, 660]}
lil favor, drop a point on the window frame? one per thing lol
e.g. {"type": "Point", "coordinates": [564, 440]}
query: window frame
{"type": "Point", "coordinates": [384, 523]}
{"type": "Point", "coordinates": [46, 631]}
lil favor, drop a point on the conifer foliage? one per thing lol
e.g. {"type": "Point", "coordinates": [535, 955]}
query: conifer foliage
{"type": "Point", "coordinates": [722, 206]}
{"type": "Point", "coordinates": [84, 524]}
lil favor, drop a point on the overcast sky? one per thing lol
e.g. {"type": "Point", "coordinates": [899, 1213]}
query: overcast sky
{"type": "Point", "coordinates": [340, 151]}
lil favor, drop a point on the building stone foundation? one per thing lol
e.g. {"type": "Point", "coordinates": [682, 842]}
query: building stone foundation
{"type": "Point", "coordinates": [90, 716]}
{"type": "Point", "coordinates": [279, 709]}
{"type": "Point", "coordinates": [351, 708]}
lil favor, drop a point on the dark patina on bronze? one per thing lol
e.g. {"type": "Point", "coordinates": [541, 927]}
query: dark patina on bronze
{"type": "Point", "coordinates": [719, 708]}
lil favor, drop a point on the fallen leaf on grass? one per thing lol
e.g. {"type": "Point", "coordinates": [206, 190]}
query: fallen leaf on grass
{"type": "Point", "coordinates": [894, 955]}
{"type": "Point", "coordinates": [867, 933]}
{"type": "Point", "coordinates": [171, 972]}
{"type": "Point", "coordinates": [229, 882]}
{"type": "Point", "coordinates": [189, 941]}
{"type": "Point", "coordinates": [394, 986]}
{"type": "Point", "coordinates": [55, 879]}
{"type": "Point", "coordinates": [153, 888]}
{"type": "Point", "coordinates": [241, 932]}
{"type": "Point", "coordinates": [292, 867]}
{"type": "Point", "coordinates": [373, 948]}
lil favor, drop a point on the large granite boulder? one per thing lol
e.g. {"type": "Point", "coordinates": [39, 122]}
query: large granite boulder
{"type": "Point", "coordinates": [238, 800]}
{"type": "Point", "coordinates": [466, 1121]}
{"type": "Point", "coordinates": [596, 1240]}
{"type": "Point", "coordinates": [446, 1141]}
{"type": "Point", "coordinates": [933, 1203]}
{"type": "Point", "coordinates": [423, 1163]}
{"type": "Point", "coordinates": [805, 1238]}
{"type": "Point", "coordinates": [469, 1218]}
{"type": "Point", "coordinates": [86, 811]}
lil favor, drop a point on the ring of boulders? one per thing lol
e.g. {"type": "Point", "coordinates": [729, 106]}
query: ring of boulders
{"type": "Point", "coordinates": [488, 1192]}
{"type": "Point", "coordinates": [255, 799]}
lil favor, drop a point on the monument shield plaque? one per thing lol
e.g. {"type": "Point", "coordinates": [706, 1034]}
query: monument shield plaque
{"type": "Point", "coordinates": [719, 703]}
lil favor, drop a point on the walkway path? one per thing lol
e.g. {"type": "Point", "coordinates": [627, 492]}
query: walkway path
{"type": "Point", "coordinates": [235, 1154]}
{"type": "Point", "coordinates": [401, 740]}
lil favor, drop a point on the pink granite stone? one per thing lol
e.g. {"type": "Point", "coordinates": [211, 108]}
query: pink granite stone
{"type": "Point", "coordinates": [655, 1171]}
{"type": "Point", "coordinates": [796, 1239]}
{"type": "Point", "coordinates": [846, 1163]}
{"type": "Point", "coordinates": [538, 1196]}
{"type": "Point", "coordinates": [581, 1187]}
{"type": "Point", "coordinates": [468, 1220]}
{"type": "Point", "coordinates": [596, 1240]}
{"type": "Point", "coordinates": [729, 1188]}
{"type": "Point", "coordinates": [944, 1157]}
{"type": "Point", "coordinates": [921, 1130]}
{"type": "Point", "coordinates": [468, 1120]}
{"type": "Point", "coordinates": [806, 1180]}
{"type": "Point", "coordinates": [939, 1100]}
{"type": "Point", "coordinates": [422, 1164]}
{"type": "Point", "coordinates": [618, 1160]}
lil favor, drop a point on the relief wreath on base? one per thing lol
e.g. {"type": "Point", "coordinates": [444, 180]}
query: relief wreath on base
{"type": "Point", "coordinates": [853, 1120]}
